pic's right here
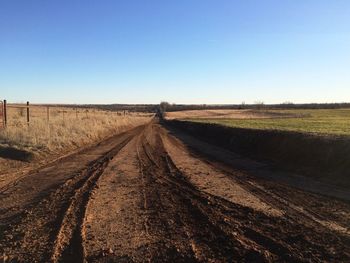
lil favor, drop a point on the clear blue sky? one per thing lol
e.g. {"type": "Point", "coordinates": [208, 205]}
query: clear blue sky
{"type": "Point", "coordinates": [182, 51]}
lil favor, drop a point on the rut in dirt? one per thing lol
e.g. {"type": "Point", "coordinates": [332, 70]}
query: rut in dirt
{"type": "Point", "coordinates": [53, 229]}
{"type": "Point", "coordinates": [177, 221]}
{"type": "Point", "coordinates": [224, 230]}
{"type": "Point", "coordinates": [173, 214]}
{"type": "Point", "coordinates": [69, 241]}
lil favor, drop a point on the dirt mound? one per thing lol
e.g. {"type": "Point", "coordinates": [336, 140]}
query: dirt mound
{"type": "Point", "coordinates": [323, 158]}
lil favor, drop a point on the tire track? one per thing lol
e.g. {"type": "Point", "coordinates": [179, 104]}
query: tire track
{"type": "Point", "coordinates": [293, 209]}
{"type": "Point", "coordinates": [217, 213]}
{"type": "Point", "coordinates": [52, 230]}
{"type": "Point", "coordinates": [68, 245]}
{"type": "Point", "coordinates": [206, 238]}
{"type": "Point", "coordinates": [275, 238]}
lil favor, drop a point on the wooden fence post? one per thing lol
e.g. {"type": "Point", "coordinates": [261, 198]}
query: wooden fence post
{"type": "Point", "coordinates": [2, 114]}
{"type": "Point", "coordinates": [48, 114]}
{"type": "Point", "coordinates": [28, 113]}
{"type": "Point", "coordinates": [5, 112]}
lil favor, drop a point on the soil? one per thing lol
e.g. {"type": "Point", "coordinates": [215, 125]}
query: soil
{"type": "Point", "coordinates": [146, 195]}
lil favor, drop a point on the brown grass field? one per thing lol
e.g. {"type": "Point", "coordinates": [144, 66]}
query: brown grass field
{"type": "Point", "coordinates": [66, 129]}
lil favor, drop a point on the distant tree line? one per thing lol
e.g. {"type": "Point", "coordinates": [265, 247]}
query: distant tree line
{"type": "Point", "coordinates": [168, 107]}
{"type": "Point", "coordinates": [151, 108]}
{"type": "Point", "coordinates": [165, 106]}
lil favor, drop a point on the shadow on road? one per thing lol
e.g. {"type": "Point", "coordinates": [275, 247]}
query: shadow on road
{"type": "Point", "coordinates": [15, 154]}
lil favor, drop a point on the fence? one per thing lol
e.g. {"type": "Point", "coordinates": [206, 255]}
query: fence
{"type": "Point", "coordinates": [16, 114]}
{"type": "Point", "coordinates": [2, 114]}
{"type": "Point", "coordinates": [5, 108]}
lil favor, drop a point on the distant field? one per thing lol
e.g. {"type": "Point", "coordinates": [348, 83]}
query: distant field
{"type": "Point", "coordinates": [324, 122]}
{"type": "Point", "coordinates": [227, 114]}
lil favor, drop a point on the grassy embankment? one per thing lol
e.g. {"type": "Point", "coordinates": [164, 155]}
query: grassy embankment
{"type": "Point", "coordinates": [323, 122]}
{"type": "Point", "coordinates": [313, 143]}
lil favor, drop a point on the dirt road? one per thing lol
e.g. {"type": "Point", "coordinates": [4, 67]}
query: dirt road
{"type": "Point", "coordinates": [146, 196]}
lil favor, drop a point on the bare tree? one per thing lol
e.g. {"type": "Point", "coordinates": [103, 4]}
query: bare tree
{"type": "Point", "coordinates": [242, 106]}
{"type": "Point", "coordinates": [259, 105]}
{"type": "Point", "coordinates": [163, 106]}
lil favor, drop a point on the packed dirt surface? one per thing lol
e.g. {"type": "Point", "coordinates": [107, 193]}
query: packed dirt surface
{"type": "Point", "coordinates": [225, 114]}
{"type": "Point", "coordinates": [146, 196]}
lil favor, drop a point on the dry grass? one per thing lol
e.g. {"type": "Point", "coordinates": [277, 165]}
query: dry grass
{"type": "Point", "coordinates": [67, 128]}
{"type": "Point", "coordinates": [224, 114]}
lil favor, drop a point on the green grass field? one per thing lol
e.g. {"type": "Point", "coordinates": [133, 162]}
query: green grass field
{"type": "Point", "coordinates": [324, 122]}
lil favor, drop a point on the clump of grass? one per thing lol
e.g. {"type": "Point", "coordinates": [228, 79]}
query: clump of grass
{"type": "Point", "coordinates": [318, 121]}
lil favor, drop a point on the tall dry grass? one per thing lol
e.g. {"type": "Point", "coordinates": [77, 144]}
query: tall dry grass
{"type": "Point", "coordinates": [66, 128]}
